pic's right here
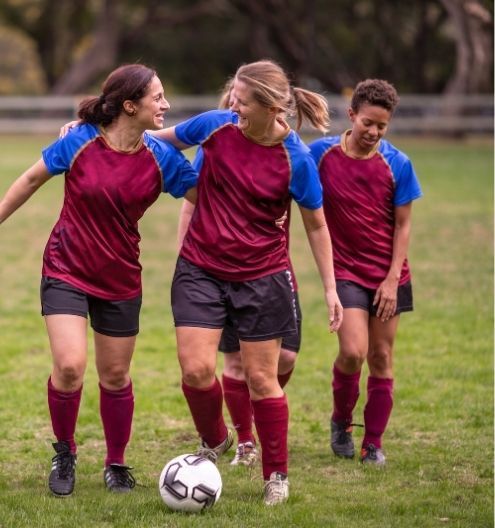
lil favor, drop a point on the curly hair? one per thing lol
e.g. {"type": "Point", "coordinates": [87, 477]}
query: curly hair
{"type": "Point", "coordinates": [375, 92]}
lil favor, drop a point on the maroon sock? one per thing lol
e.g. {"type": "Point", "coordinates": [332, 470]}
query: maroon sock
{"type": "Point", "coordinates": [206, 410]}
{"type": "Point", "coordinates": [283, 379]}
{"type": "Point", "coordinates": [345, 394]}
{"type": "Point", "coordinates": [377, 410]}
{"type": "Point", "coordinates": [64, 408]}
{"type": "Point", "coordinates": [116, 411]}
{"type": "Point", "coordinates": [236, 396]}
{"type": "Point", "coordinates": [271, 416]}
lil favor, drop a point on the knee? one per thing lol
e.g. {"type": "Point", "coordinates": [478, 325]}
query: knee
{"type": "Point", "coordinates": [380, 360]}
{"type": "Point", "coordinates": [350, 359]}
{"type": "Point", "coordinates": [115, 378]}
{"type": "Point", "coordinates": [197, 375]}
{"type": "Point", "coordinates": [69, 376]}
{"type": "Point", "coordinates": [232, 366]}
{"type": "Point", "coordinates": [261, 385]}
{"type": "Point", "coordinates": [287, 361]}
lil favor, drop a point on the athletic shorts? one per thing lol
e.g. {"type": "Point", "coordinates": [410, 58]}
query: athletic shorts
{"type": "Point", "coordinates": [229, 342]}
{"type": "Point", "coordinates": [352, 295]}
{"type": "Point", "coordinates": [111, 318]}
{"type": "Point", "coordinates": [259, 310]}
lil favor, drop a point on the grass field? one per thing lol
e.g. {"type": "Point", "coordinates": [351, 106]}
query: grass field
{"type": "Point", "coordinates": [439, 443]}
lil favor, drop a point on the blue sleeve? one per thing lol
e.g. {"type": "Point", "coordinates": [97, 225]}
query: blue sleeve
{"type": "Point", "coordinates": [198, 129]}
{"type": "Point", "coordinates": [305, 185]}
{"type": "Point", "coordinates": [59, 156]}
{"type": "Point", "coordinates": [407, 187]}
{"type": "Point", "coordinates": [318, 149]}
{"type": "Point", "coordinates": [178, 175]}
{"type": "Point", "coordinates": [197, 162]}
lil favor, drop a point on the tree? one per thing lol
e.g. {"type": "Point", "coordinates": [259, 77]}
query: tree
{"type": "Point", "coordinates": [472, 30]}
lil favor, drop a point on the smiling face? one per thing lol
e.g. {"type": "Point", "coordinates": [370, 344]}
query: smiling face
{"type": "Point", "coordinates": [369, 125]}
{"type": "Point", "coordinates": [151, 108]}
{"type": "Point", "coordinates": [254, 119]}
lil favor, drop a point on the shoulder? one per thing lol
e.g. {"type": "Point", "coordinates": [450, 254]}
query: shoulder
{"type": "Point", "coordinates": [392, 153]}
{"type": "Point", "coordinates": [196, 129]}
{"type": "Point", "coordinates": [322, 146]}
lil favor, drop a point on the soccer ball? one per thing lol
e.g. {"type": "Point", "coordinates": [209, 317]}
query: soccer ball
{"type": "Point", "coordinates": [190, 483]}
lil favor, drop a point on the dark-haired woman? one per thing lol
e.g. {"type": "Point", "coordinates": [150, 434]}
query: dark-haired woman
{"type": "Point", "coordinates": [114, 171]}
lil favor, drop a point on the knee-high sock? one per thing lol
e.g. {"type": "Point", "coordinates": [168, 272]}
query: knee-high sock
{"type": "Point", "coordinates": [206, 410]}
{"type": "Point", "coordinates": [283, 379]}
{"type": "Point", "coordinates": [236, 395]}
{"type": "Point", "coordinates": [345, 394]}
{"type": "Point", "coordinates": [116, 410]}
{"type": "Point", "coordinates": [64, 408]}
{"type": "Point", "coordinates": [271, 416]}
{"type": "Point", "coordinates": [378, 409]}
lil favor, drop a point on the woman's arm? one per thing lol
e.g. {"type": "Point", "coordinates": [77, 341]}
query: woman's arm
{"type": "Point", "coordinates": [386, 294]}
{"type": "Point", "coordinates": [168, 134]}
{"type": "Point", "coordinates": [23, 188]}
{"type": "Point", "coordinates": [185, 216]}
{"type": "Point", "coordinates": [321, 247]}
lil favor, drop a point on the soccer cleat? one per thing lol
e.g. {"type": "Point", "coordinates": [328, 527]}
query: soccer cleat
{"type": "Point", "coordinates": [63, 474]}
{"type": "Point", "coordinates": [372, 455]}
{"type": "Point", "coordinates": [212, 453]}
{"type": "Point", "coordinates": [118, 478]}
{"type": "Point", "coordinates": [246, 454]}
{"type": "Point", "coordinates": [341, 438]}
{"type": "Point", "coordinates": [276, 489]}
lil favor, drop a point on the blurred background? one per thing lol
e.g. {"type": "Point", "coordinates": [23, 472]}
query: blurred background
{"type": "Point", "coordinates": [438, 54]}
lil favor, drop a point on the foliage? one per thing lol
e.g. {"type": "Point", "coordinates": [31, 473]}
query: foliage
{"type": "Point", "coordinates": [420, 46]}
{"type": "Point", "coordinates": [439, 443]}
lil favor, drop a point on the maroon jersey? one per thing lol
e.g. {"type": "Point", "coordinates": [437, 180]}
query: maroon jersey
{"type": "Point", "coordinates": [359, 199]}
{"type": "Point", "coordinates": [243, 188]}
{"type": "Point", "coordinates": [95, 243]}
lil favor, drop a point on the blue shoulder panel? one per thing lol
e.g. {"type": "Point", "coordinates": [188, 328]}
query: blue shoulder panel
{"type": "Point", "coordinates": [305, 185]}
{"type": "Point", "coordinates": [321, 146]}
{"type": "Point", "coordinates": [60, 155]}
{"type": "Point", "coordinates": [199, 128]}
{"type": "Point", "coordinates": [407, 187]}
{"type": "Point", "coordinates": [178, 176]}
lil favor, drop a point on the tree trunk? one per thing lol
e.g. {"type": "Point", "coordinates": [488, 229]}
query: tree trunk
{"type": "Point", "coordinates": [472, 25]}
{"type": "Point", "coordinates": [100, 56]}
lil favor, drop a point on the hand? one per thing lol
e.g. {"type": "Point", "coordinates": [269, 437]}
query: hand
{"type": "Point", "coordinates": [279, 222]}
{"type": "Point", "coordinates": [66, 128]}
{"type": "Point", "coordinates": [386, 299]}
{"type": "Point", "coordinates": [335, 310]}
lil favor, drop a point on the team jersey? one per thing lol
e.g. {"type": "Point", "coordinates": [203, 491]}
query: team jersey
{"type": "Point", "coordinates": [94, 245]}
{"type": "Point", "coordinates": [243, 188]}
{"type": "Point", "coordinates": [360, 196]}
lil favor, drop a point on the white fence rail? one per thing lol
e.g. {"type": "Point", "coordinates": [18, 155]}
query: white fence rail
{"type": "Point", "coordinates": [417, 114]}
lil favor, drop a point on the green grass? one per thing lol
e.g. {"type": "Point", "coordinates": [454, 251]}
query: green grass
{"type": "Point", "coordinates": [439, 442]}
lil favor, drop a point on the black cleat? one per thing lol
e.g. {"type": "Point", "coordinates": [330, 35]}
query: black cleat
{"type": "Point", "coordinates": [341, 439]}
{"type": "Point", "coordinates": [63, 474]}
{"type": "Point", "coordinates": [118, 478]}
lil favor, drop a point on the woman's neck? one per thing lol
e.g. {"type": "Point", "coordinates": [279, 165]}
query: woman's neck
{"type": "Point", "coordinates": [122, 138]}
{"type": "Point", "coordinates": [275, 132]}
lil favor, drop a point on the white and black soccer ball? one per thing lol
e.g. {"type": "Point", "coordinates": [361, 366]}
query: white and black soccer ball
{"type": "Point", "coordinates": [190, 483]}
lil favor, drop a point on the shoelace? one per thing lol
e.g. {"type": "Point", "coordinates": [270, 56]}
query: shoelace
{"type": "Point", "coordinates": [65, 463]}
{"type": "Point", "coordinates": [209, 453]}
{"type": "Point", "coordinates": [344, 433]}
{"type": "Point", "coordinates": [275, 489]}
{"type": "Point", "coordinates": [371, 451]}
{"type": "Point", "coordinates": [120, 476]}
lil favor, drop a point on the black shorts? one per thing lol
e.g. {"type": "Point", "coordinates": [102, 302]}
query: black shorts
{"type": "Point", "coordinates": [258, 310]}
{"type": "Point", "coordinates": [352, 295]}
{"type": "Point", "coordinates": [229, 342]}
{"type": "Point", "coordinates": [111, 318]}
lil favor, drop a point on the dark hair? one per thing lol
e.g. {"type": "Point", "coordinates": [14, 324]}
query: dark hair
{"type": "Point", "coordinates": [374, 92]}
{"type": "Point", "coordinates": [128, 82]}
